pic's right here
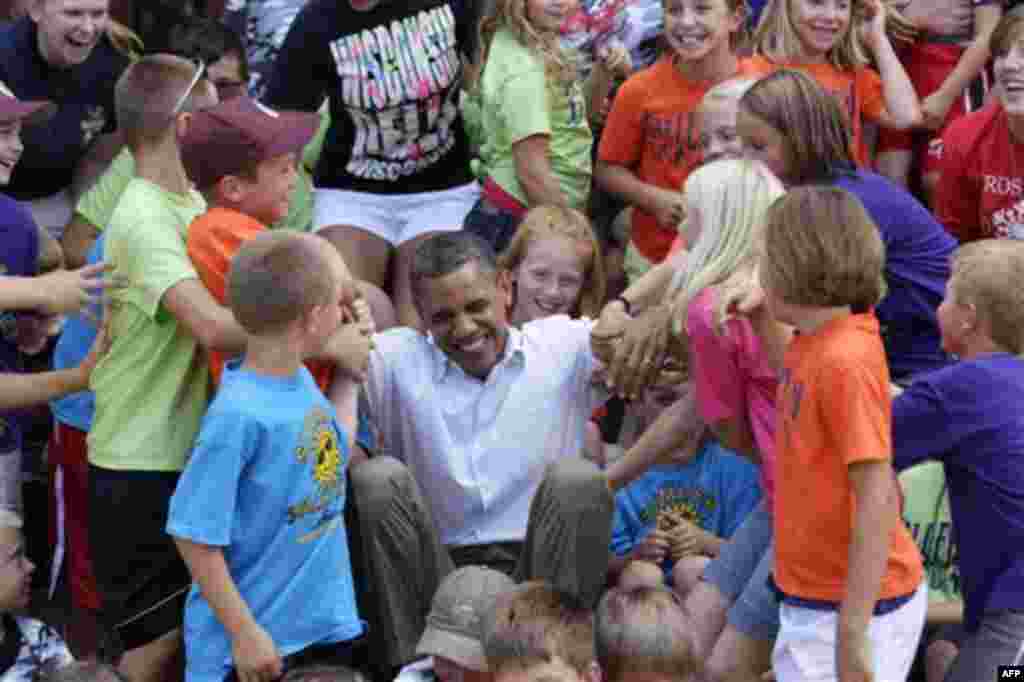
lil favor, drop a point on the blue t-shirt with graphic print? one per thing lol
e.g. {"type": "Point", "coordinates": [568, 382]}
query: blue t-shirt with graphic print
{"type": "Point", "coordinates": [715, 490]}
{"type": "Point", "coordinates": [19, 256]}
{"type": "Point", "coordinates": [266, 483]}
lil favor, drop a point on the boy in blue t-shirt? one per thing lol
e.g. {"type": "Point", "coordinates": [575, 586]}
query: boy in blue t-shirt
{"type": "Point", "coordinates": [258, 512]}
{"type": "Point", "coordinates": [672, 520]}
{"type": "Point", "coordinates": [970, 417]}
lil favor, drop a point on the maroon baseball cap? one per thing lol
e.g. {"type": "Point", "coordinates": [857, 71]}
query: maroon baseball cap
{"type": "Point", "coordinates": [13, 109]}
{"type": "Point", "coordinates": [239, 132]}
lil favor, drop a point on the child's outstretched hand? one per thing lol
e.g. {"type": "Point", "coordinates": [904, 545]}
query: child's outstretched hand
{"type": "Point", "coordinates": [615, 59]}
{"type": "Point", "coordinates": [256, 658]}
{"type": "Point", "coordinates": [350, 348]}
{"type": "Point", "coordinates": [653, 548]}
{"type": "Point", "coordinates": [872, 30]}
{"type": "Point", "coordinates": [72, 291]}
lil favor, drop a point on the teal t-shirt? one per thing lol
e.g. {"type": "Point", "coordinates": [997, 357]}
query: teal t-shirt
{"type": "Point", "coordinates": [518, 101]}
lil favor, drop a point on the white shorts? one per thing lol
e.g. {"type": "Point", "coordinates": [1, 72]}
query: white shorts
{"type": "Point", "coordinates": [806, 646]}
{"type": "Point", "coordinates": [395, 218]}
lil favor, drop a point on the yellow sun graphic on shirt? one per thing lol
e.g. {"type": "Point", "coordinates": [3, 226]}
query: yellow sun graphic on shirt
{"type": "Point", "coordinates": [684, 510]}
{"type": "Point", "coordinates": [328, 458]}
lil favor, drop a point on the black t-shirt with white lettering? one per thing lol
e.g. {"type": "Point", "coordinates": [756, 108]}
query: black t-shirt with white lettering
{"type": "Point", "coordinates": [392, 76]}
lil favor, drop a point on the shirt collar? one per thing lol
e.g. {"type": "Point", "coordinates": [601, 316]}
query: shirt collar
{"type": "Point", "coordinates": [514, 348]}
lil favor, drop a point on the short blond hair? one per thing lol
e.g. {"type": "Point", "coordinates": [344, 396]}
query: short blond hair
{"type": "Point", "coordinates": [146, 94]}
{"type": "Point", "coordinates": [726, 92]}
{"type": "Point", "coordinates": [276, 278]}
{"type": "Point", "coordinates": [535, 624]}
{"type": "Point", "coordinates": [644, 630]}
{"type": "Point", "coordinates": [560, 221]}
{"type": "Point", "coordinates": [986, 274]}
{"type": "Point", "coordinates": [821, 248]}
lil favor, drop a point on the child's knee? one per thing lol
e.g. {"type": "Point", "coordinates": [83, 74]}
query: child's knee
{"type": "Point", "coordinates": [641, 574]}
{"type": "Point", "coordinates": [687, 572]}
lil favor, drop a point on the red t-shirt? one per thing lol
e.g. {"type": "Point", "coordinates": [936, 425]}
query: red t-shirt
{"type": "Point", "coordinates": [981, 188]}
{"type": "Point", "coordinates": [859, 93]}
{"type": "Point", "coordinates": [834, 410]}
{"type": "Point", "coordinates": [653, 131]}
{"type": "Point", "coordinates": [213, 240]}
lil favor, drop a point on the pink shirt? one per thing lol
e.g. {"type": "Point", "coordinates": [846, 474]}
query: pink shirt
{"type": "Point", "coordinates": [734, 379]}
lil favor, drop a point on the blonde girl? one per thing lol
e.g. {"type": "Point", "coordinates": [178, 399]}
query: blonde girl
{"type": "Point", "coordinates": [554, 265]}
{"type": "Point", "coordinates": [833, 41]}
{"type": "Point", "coordinates": [535, 137]}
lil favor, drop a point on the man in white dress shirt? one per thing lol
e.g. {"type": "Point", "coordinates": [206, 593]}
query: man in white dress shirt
{"type": "Point", "coordinates": [483, 424]}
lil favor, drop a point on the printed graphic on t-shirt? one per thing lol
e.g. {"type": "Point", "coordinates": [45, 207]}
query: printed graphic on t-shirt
{"type": "Point", "coordinates": [694, 504]}
{"type": "Point", "coordinates": [399, 86]}
{"type": "Point", "coordinates": [939, 551]}
{"type": "Point", "coordinates": [671, 137]}
{"type": "Point", "coordinates": [1005, 215]}
{"type": "Point", "coordinates": [319, 449]}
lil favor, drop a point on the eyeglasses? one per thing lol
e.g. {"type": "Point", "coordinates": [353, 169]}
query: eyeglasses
{"type": "Point", "coordinates": [196, 77]}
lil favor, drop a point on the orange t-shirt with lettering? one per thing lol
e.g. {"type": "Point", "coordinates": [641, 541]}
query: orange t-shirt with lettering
{"type": "Point", "coordinates": [834, 410]}
{"type": "Point", "coordinates": [859, 93]}
{"type": "Point", "coordinates": [652, 130]}
{"type": "Point", "coordinates": [213, 240]}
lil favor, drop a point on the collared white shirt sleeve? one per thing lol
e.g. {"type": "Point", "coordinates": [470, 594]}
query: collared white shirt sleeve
{"type": "Point", "coordinates": [478, 449]}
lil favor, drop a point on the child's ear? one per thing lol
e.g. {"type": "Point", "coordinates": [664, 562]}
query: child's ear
{"type": "Point", "coordinates": [231, 189]}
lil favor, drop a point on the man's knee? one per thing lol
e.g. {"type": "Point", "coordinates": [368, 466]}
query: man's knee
{"type": "Point", "coordinates": [376, 484]}
{"type": "Point", "coordinates": [578, 480]}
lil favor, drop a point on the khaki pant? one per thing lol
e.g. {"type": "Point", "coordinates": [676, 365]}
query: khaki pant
{"type": "Point", "coordinates": [402, 561]}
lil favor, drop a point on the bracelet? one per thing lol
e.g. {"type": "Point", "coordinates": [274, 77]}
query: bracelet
{"type": "Point", "coordinates": [625, 304]}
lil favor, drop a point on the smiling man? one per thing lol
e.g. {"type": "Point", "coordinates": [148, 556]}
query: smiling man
{"type": "Point", "coordinates": [488, 421]}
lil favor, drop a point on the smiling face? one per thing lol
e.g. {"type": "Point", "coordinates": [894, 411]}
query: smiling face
{"type": "Point", "coordinates": [1008, 67]}
{"type": "Point", "coordinates": [718, 138]}
{"type": "Point", "coordinates": [696, 29]}
{"type": "Point", "coordinates": [10, 148]}
{"type": "Point", "coordinates": [549, 280]}
{"type": "Point", "coordinates": [267, 194]}
{"type": "Point", "coordinates": [68, 30]}
{"type": "Point", "coordinates": [820, 24]}
{"type": "Point", "coordinates": [548, 15]}
{"type": "Point", "coordinates": [465, 312]}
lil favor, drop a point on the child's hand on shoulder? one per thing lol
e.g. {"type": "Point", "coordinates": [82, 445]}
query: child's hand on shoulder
{"type": "Point", "coordinates": [349, 347]}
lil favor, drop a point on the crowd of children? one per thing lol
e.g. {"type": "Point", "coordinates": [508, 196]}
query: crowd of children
{"type": "Point", "coordinates": [515, 341]}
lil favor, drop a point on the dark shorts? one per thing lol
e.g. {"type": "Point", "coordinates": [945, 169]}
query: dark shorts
{"type": "Point", "coordinates": [141, 577]}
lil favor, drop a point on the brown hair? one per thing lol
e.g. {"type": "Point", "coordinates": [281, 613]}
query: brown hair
{"type": "Point", "coordinates": [536, 624]}
{"type": "Point", "coordinates": [985, 274]}
{"type": "Point", "coordinates": [146, 93]}
{"type": "Point", "coordinates": [821, 248]}
{"type": "Point", "coordinates": [559, 221]}
{"type": "Point", "coordinates": [644, 630]}
{"type": "Point", "coordinates": [276, 278]}
{"type": "Point", "coordinates": [1009, 30]}
{"type": "Point", "coordinates": [813, 125]}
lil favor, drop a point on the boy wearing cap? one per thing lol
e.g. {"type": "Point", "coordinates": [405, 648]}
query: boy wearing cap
{"type": "Point", "coordinates": [455, 631]}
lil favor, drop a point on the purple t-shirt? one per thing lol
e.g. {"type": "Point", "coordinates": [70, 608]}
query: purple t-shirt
{"type": "Point", "coordinates": [734, 379]}
{"type": "Point", "coordinates": [19, 255]}
{"type": "Point", "coordinates": [970, 417]}
{"type": "Point", "coordinates": [917, 261]}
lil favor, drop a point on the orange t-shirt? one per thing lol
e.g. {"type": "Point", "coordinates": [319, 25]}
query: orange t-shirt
{"type": "Point", "coordinates": [653, 131]}
{"type": "Point", "coordinates": [213, 240]}
{"type": "Point", "coordinates": [859, 93]}
{"type": "Point", "coordinates": [834, 410]}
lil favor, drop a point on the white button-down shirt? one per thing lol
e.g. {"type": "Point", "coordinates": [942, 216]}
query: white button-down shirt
{"type": "Point", "coordinates": [478, 449]}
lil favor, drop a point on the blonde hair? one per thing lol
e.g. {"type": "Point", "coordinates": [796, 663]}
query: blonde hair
{"type": "Point", "coordinates": [732, 197]}
{"type": "Point", "coordinates": [983, 275]}
{"type": "Point", "coordinates": [559, 63]}
{"type": "Point", "coordinates": [559, 221]}
{"type": "Point", "coordinates": [644, 630]}
{"type": "Point", "coordinates": [821, 248]}
{"type": "Point", "coordinates": [776, 38]}
{"type": "Point", "coordinates": [726, 92]}
{"type": "Point", "coordinates": [1009, 30]}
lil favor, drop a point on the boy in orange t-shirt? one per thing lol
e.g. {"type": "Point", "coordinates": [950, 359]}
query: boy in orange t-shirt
{"type": "Point", "coordinates": [848, 572]}
{"type": "Point", "coordinates": [242, 156]}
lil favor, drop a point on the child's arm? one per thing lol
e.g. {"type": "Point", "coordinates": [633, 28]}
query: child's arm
{"type": "Point", "coordinates": [56, 293]}
{"type": "Point", "coordinates": [664, 204]}
{"type": "Point", "coordinates": [936, 105]}
{"type": "Point", "coordinates": [533, 169]}
{"type": "Point", "coordinates": [946, 612]}
{"type": "Point", "coordinates": [213, 325]}
{"type": "Point", "coordinates": [902, 107]}
{"type": "Point", "coordinates": [253, 651]}
{"type": "Point", "coordinates": [613, 62]}
{"type": "Point", "coordinates": [873, 490]}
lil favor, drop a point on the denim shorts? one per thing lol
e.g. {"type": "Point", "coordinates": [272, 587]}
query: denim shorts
{"type": "Point", "coordinates": [741, 572]}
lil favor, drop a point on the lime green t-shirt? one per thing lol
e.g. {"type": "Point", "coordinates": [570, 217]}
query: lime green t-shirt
{"type": "Point", "coordinates": [152, 385]}
{"type": "Point", "coordinates": [926, 511]}
{"type": "Point", "coordinates": [517, 102]}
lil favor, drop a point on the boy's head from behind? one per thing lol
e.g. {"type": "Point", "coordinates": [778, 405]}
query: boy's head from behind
{"type": "Point", "coordinates": [455, 627]}
{"type": "Point", "coordinates": [644, 634]}
{"type": "Point", "coordinates": [286, 283]}
{"type": "Point", "coordinates": [221, 49]}
{"type": "Point", "coordinates": [535, 625]}
{"type": "Point", "coordinates": [242, 155]}
{"type": "Point", "coordinates": [820, 249]}
{"type": "Point", "coordinates": [983, 310]}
